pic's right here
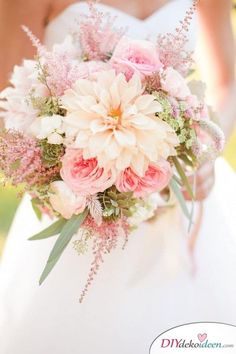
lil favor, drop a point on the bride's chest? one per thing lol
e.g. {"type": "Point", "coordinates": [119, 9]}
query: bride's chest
{"type": "Point", "coordinates": [164, 20]}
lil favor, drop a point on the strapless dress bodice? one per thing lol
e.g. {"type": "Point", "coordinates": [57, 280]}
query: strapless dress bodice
{"type": "Point", "coordinates": [163, 20]}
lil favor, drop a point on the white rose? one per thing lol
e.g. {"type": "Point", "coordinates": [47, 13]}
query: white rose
{"type": "Point", "coordinates": [66, 202]}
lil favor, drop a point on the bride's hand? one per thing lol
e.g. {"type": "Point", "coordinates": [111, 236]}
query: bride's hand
{"type": "Point", "coordinates": [205, 179]}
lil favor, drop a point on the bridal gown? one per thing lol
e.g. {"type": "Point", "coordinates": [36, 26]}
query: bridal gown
{"type": "Point", "coordinates": [151, 286]}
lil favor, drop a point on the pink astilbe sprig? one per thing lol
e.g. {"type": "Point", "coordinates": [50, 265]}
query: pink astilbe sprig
{"type": "Point", "coordinates": [105, 240]}
{"type": "Point", "coordinates": [96, 34]}
{"type": "Point", "coordinates": [172, 46]}
{"type": "Point", "coordinates": [21, 160]}
{"type": "Point", "coordinates": [35, 41]}
{"type": "Point", "coordinates": [57, 67]}
{"type": "Point", "coordinates": [61, 72]}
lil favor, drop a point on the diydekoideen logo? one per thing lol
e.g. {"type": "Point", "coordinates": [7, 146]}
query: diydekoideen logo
{"type": "Point", "coordinates": [199, 336]}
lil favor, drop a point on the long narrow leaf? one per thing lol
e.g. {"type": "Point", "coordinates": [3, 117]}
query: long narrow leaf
{"type": "Point", "coordinates": [178, 180]}
{"type": "Point", "coordinates": [176, 189]}
{"type": "Point", "coordinates": [183, 177]}
{"type": "Point", "coordinates": [192, 205]}
{"type": "Point", "coordinates": [50, 231]}
{"type": "Point", "coordinates": [68, 231]}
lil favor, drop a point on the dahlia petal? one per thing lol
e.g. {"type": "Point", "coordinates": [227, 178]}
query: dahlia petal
{"type": "Point", "coordinates": [99, 141]}
{"type": "Point", "coordinates": [98, 126]}
{"type": "Point", "coordinates": [81, 140]}
{"type": "Point", "coordinates": [139, 164]}
{"type": "Point", "coordinates": [115, 95]}
{"type": "Point", "coordinates": [124, 160]}
{"type": "Point", "coordinates": [140, 121]}
{"type": "Point", "coordinates": [99, 110]}
{"type": "Point", "coordinates": [114, 150]}
{"type": "Point", "coordinates": [78, 119]}
{"type": "Point", "coordinates": [125, 137]}
{"type": "Point", "coordinates": [154, 107]}
{"type": "Point", "coordinates": [144, 101]}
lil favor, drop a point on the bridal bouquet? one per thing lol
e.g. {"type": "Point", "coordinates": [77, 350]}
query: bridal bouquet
{"type": "Point", "coordinates": [101, 130]}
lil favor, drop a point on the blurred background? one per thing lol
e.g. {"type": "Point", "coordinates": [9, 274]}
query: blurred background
{"type": "Point", "coordinates": [9, 199]}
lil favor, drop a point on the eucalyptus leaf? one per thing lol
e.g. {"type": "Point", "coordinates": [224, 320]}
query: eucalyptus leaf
{"type": "Point", "coordinates": [183, 177]}
{"type": "Point", "coordinates": [67, 232]}
{"type": "Point", "coordinates": [192, 205]}
{"type": "Point", "coordinates": [178, 180]}
{"type": "Point", "coordinates": [36, 209]}
{"type": "Point", "coordinates": [50, 231]}
{"type": "Point", "coordinates": [176, 189]}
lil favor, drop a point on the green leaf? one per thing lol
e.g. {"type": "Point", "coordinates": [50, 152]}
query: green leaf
{"type": "Point", "coordinates": [50, 231]}
{"type": "Point", "coordinates": [112, 195]}
{"type": "Point", "coordinates": [192, 205]}
{"type": "Point", "coordinates": [177, 180]}
{"type": "Point", "coordinates": [176, 189]}
{"type": "Point", "coordinates": [67, 232]}
{"type": "Point", "coordinates": [37, 211]}
{"type": "Point", "coordinates": [183, 177]}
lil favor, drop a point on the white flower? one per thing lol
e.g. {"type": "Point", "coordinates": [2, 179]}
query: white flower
{"type": "Point", "coordinates": [110, 118]}
{"type": "Point", "coordinates": [146, 211]}
{"type": "Point", "coordinates": [175, 84]}
{"type": "Point", "coordinates": [18, 111]}
{"type": "Point", "coordinates": [48, 127]}
{"type": "Point", "coordinates": [64, 201]}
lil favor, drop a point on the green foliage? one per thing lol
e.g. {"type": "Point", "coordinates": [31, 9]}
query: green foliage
{"type": "Point", "coordinates": [35, 202]}
{"type": "Point", "coordinates": [46, 106]}
{"type": "Point", "coordinates": [116, 204]}
{"type": "Point", "coordinates": [51, 153]}
{"type": "Point", "coordinates": [179, 196]}
{"type": "Point", "coordinates": [181, 125]}
{"type": "Point", "coordinates": [68, 230]}
{"type": "Point", "coordinates": [50, 231]}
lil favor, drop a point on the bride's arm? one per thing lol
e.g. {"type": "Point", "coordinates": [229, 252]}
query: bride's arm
{"type": "Point", "coordinates": [217, 58]}
{"type": "Point", "coordinates": [14, 44]}
{"type": "Point", "coordinates": [217, 62]}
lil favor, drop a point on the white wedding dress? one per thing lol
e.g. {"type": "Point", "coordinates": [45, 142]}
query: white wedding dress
{"type": "Point", "coordinates": [139, 292]}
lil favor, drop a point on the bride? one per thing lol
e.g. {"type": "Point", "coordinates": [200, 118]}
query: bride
{"type": "Point", "coordinates": [164, 277]}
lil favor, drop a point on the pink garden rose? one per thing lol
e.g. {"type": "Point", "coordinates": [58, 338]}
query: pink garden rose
{"type": "Point", "coordinates": [135, 56]}
{"type": "Point", "coordinates": [84, 176]}
{"type": "Point", "coordinates": [155, 179]}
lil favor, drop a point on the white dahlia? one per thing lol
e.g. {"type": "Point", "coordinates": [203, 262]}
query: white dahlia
{"type": "Point", "coordinates": [112, 119]}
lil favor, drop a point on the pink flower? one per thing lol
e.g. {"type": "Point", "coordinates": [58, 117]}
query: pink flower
{"type": "Point", "coordinates": [155, 179]}
{"type": "Point", "coordinates": [135, 56]}
{"type": "Point", "coordinates": [174, 84]}
{"type": "Point", "coordinates": [85, 176]}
